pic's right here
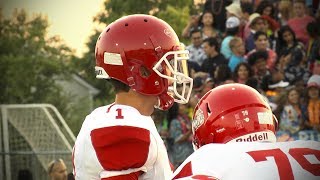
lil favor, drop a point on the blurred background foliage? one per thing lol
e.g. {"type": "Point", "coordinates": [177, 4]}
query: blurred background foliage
{"type": "Point", "coordinates": [30, 61]}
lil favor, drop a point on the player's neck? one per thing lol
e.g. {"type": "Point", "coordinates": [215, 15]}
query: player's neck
{"type": "Point", "coordinates": [144, 104]}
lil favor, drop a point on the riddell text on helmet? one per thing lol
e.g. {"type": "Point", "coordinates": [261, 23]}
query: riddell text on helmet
{"type": "Point", "coordinates": [253, 137]}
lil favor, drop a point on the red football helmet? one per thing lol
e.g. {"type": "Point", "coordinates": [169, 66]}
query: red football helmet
{"type": "Point", "coordinates": [144, 52]}
{"type": "Point", "coordinates": [233, 113]}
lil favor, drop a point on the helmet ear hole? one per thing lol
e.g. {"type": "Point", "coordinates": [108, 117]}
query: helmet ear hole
{"type": "Point", "coordinates": [208, 109]}
{"type": "Point", "coordinates": [144, 72]}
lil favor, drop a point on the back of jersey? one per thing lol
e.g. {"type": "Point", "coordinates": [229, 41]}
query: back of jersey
{"type": "Point", "coordinates": [283, 160]}
{"type": "Point", "coordinates": [117, 140]}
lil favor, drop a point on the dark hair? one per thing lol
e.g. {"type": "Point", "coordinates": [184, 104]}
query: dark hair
{"type": "Point", "coordinates": [258, 34]}
{"type": "Point", "coordinates": [201, 16]}
{"type": "Point", "coordinates": [236, 69]}
{"type": "Point", "coordinates": [252, 59]}
{"type": "Point", "coordinates": [232, 31]}
{"type": "Point", "coordinates": [281, 41]}
{"type": "Point", "coordinates": [195, 30]}
{"type": "Point", "coordinates": [213, 42]}
{"type": "Point", "coordinates": [253, 82]}
{"type": "Point", "coordinates": [173, 112]}
{"type": "Point", "coordinates": [263, 5]}
{"type": "Point", "coordinates": [223, 74]}
{"type": "Point", "coordinates": [246, 7]}
{"type": "Point", "coordinates": [119, 86]}
{"type": "Point", "coordinates": [313, 29]}
{"type": "Point", "coordinates": [296, 57]}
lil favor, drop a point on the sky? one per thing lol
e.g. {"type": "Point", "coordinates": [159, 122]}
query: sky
{"type": "Point", "coordinates": [72, 20]}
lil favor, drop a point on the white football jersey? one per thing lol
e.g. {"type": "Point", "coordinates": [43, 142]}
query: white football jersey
{"type": "Point", "coordinates": [115, 140]}
{"type": "Point", "coordinates": [294, 160]}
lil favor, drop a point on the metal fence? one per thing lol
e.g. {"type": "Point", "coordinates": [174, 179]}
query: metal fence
{"type": "Point", "coordinates": [32, 135]}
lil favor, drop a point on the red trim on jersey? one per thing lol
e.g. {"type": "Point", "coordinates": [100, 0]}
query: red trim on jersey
{"type": "Point", "coordinates": [203, 177]}
{"type": "Point", "coordinates": [108, 110]}
{"type": "Point", "coordinates": [185, 171]}
{"type": "Point", "coordinates": [171, 166]}
{"type": "Point", "coordinates": [121, 147]}
{"type": "Point", "coordinates": [131, 176]}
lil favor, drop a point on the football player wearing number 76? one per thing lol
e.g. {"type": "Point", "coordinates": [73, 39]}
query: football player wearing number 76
{"type": "Point", "coordinates": [234, 138]}
{"type": "Point", "coordinates": [141, 56]}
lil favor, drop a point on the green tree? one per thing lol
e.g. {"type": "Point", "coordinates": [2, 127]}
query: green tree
{"type": "Point", "coordinates": [175, 12]}
{"type": "Point", "coordinates": [30, 61]}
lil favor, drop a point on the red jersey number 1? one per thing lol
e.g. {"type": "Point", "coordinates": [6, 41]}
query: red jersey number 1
{"type": "Point", "coordinates": [283, 163]}
{"type": "Point", "coordinates": [119, 116]}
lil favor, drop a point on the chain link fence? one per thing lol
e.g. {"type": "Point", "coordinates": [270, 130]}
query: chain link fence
{"type": "Point", "coordinates": [32, 135]}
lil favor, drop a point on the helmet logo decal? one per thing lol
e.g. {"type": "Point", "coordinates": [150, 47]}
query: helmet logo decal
{"type": "Point", "coordinates": [167, 32]}
{"type": "Point", "coordinates": [101, 73]}
{"type": "Point", "coordinates": [239, 124]}
{"type": "Point", "coordinates": [245, 113]}
{"type": "Point", "coordinates": [265, 118]}
{"type": "Point", "coordinates": [263, 136]}
{"type": "Point", "coordinates": [112, 59]}
{"type": "Point", "coordinates": [220, 130]}
{"type": "Point", "coordinates": [198, 120]}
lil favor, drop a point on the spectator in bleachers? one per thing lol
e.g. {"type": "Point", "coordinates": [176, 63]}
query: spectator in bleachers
{"type": "Point", "coordinates": [287, 42]}
{"type": "Point", "coordinates": [198, 84]}
{"type": "Point", "coordinates": [214, 58]}
{"type": "Point", "coordinates": [291, 116]}
{"type": "Point", "coordinates": [242, 73]}
{"type": "Point", "coordinates": [57, 170]}
{"type": "Point", "coordinates": [262, 44]}
{"type": "Point", "coordinates": [218, 9]}
{"type": "Point", "coordinates": [271, 28]}
{"type": "Point", "coordinates": [258, 61]}
{"type": "Point", "coordinates": [256, 23]}
{"type": "Point", "coordinates": [300, 86]}
{"type": "Point", "coordinates": [266, 8]}
{"type": "Point", "coordinates": [161, 123]}
{"type": "Point", "coordinates": [238, 51]}
{"type": "Point", "coordinates": [232, 29]}
{"type": "Point", "coordinates": [273, 80]}
{"type": "Point", "coordinates": [197, 54]}
{"type": "Point", "coordinates": [180, 133]}
{"type": "Point", "coordinates": [300, 21]}
{"type": "Point", "coordinates": [313, 50]}
{"type": "Point", "coordinates": [193, 23]}
{"type": "Point", "coordinates": [294, 67]}
{"type": "Point", "coordinates": [222, 74]}
{"type": "Point", "coordinates": [205, 22]}
{"type": "Point", "coordinates": [313, 103]}
{"type": "Point", "coordinates": [247, 10]}
{"type": "Point", "coordinates": [234, 10]}
{"type": "Point", "coordinates": [285, 12]}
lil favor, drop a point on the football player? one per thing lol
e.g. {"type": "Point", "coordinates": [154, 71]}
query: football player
{"type": "Point", "coordinates": [234, 138]}
{"type": "Point", "coordinates": [141, 56]}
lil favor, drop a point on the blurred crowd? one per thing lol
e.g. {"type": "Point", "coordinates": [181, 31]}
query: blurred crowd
{"type": "Point", "coordinates": [272, 46]}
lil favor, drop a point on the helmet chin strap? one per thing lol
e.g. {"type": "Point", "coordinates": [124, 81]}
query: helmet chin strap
{"type": "Point", "coordinates": [165, 101]}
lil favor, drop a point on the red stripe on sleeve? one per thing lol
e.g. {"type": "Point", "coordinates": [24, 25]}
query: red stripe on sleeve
{"type": "Point", "coordinates": [185, 171]}
{"type": "Point", "coordinates": [131, 176]}
{"type": "Point", "coordinates": [121, 147]}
